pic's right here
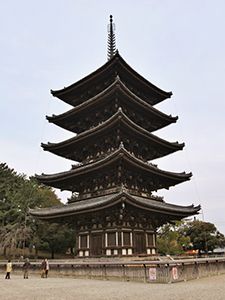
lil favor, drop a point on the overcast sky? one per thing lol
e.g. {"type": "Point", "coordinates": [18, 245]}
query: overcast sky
{"type": "Point", "coordinates": [177, 45]}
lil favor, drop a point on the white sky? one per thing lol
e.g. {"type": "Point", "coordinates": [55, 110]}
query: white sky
{"type": "Point", "coordinates": [177, 45]}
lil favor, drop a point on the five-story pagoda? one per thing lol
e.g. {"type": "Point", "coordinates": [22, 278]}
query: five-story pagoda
{"type": "Point", "coordinates": [114, 211]}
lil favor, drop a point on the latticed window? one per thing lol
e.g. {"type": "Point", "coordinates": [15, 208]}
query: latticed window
{"type": "Point", "coordinates": [150, 240]}
{"type": "Point", "coordinates": [126, 238]}
{"type": "Point", "coordinates": [112, 239]}
{"type": "Point", "coordinates": [83, 241]}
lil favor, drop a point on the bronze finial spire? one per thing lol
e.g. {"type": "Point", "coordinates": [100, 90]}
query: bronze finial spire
{"type": "Point", "coordinates": [111, 39]}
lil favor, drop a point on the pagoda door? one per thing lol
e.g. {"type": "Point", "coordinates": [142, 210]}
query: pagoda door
{"type": "Point", "coordinates": [140, 243]}
{"type": "Point", "coordinates": [96, 247]}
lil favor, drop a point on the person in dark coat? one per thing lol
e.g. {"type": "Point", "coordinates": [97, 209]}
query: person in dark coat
{"type": "Point", "coordinates": [26, 267]}
{"type": "Point", "coordinates": [46, 268]}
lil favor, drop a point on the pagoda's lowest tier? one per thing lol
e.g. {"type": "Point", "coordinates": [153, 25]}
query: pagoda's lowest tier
{"type": "Point", "coordinates": [157, 212]}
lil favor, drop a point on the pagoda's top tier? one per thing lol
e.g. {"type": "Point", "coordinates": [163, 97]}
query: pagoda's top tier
{"type": "Point", "coordinates": [103, 77]}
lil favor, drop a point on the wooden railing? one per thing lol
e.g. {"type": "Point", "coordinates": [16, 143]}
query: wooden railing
{"type": "Point", "coordinates": [145, 271]}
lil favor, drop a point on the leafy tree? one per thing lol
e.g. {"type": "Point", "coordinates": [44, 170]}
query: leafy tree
{"type": "Point", "coordinates": [41, 227]}
{"type": "Point", "coordinates": [17, 195]}
{"type": "Point", "coordinates": [180, 236]}
{"type": "Point", "coordinates": [49, 197]}
{"type": "Point", "coordinates": [185, 241]}
{"type": "Point", "coordinates": [204, 236]}
{"type": "Point", "coordinates": [12, 237]}
{"type": "Point", "coordinates": [8, 179]}
{"type": "Point", "coordinates": [168, 239]}
{"type": "Point", "coordinates": [57, 238]}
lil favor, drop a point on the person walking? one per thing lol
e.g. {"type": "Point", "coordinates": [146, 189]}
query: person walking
{"type": "Point", "coordinates": [46, 267]}
{"type": "Point", "coordinates": [8, 269]}
{"type": "Point", "coordinates": [26, 267]}
{"type": "Point", "coordinates": [43, 269]}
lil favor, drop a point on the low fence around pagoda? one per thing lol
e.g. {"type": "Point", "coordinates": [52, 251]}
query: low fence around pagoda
{"type": "Point", "coordinates": [142, 271]}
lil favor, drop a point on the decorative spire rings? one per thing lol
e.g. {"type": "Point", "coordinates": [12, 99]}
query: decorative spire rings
{"type": "Point", "coordinates": [111, 39]}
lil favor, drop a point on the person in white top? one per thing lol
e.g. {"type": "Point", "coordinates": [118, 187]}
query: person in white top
{"type": "Point", "coordinates": [8, 269]}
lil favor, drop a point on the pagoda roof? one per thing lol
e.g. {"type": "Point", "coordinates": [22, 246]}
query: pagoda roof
{"type": "Point", "coordinates": [116, 93]}
{"type": "Point", "coordinates": [108, 201]}
{"type": "Point", "coordinates": [98, 80]}
{"type": "Point", "coordinates": [159, 178]}
{"type": "Point", "coordinates": [73, 147]}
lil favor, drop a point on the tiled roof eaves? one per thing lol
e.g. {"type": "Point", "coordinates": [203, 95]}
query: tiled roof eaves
{"type": "Point", "coordinates": [110, 122]}
{"type": "Point", "coordinates": [110, 159]}
{"type": "Point", "coordinates": [116, 59]}
{"type": "Point", "coordinates": [110, 200]}
{"type": "Point", "coordinates": [104, 93]}
{"type": "Point", "coordinates": [78, 108]}
{"type": "Point", "coordinates": [144, 80]}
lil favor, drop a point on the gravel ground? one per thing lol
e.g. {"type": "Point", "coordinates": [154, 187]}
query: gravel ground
{"type": "Point", "coordinates": [88, 289]}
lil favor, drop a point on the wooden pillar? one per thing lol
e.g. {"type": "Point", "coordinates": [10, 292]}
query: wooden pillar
{"type": "Point", "coordinates": [88, 241]}
{"type": "Point", "coordinates": [79, 242]}
{"type": "Point", "coordinates": [108, 251]}
{"type": "Point", "coordinates": [106, 240]}
{"type": "Point", "coordinates": [117, 238]}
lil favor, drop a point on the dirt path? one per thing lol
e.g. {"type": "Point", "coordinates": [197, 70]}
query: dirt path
{"type": "Point", "coordinates": [87, 289]}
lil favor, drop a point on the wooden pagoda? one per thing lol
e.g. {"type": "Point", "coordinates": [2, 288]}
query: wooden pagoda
{"type": "Point", "coordinates": [114, 211]}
